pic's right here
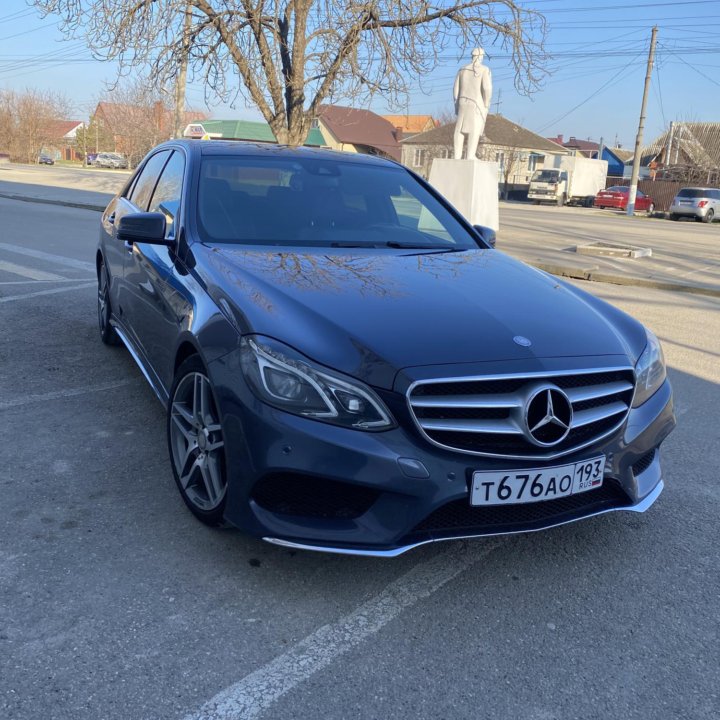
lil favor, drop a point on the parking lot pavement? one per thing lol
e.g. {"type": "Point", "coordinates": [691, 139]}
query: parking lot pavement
{"type": "Point", "coordinates": [115, 604]}
{"type": "Point", "coordinates": [684, 254]}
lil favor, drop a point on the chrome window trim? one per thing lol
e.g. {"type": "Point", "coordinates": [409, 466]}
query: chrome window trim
{"type": "Point", "coordinates": [520, 376]}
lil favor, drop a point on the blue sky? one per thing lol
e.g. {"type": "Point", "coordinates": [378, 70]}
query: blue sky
{"type": "Point", "coordinates": [599, 56]}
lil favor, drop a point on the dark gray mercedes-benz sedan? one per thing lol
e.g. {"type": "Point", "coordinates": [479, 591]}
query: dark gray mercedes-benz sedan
{"type": "Point", "coordinates": [348, 366]}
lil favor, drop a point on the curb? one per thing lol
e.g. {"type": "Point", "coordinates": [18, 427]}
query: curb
{"type": "Point", "coordinates": [592, 276]}
{"type": "Point", "coordinates": [48, 201]}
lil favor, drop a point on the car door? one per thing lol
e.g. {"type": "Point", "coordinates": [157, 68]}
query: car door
{"type": "Point", "coordinates": [137, 200]}
{"type": "Point", "coordinates": [113, 249]}
{"type": "Point", "coordinates": [154, 277]}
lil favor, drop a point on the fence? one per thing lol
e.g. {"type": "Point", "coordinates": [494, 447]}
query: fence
{"type": "Point", "coordinates": [662, 192]}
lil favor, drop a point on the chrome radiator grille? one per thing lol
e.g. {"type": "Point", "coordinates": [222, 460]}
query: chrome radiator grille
{"type": "Point", "coordinates": [489, 415]}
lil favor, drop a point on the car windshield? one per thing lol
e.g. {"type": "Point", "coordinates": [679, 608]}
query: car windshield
{"type": "Point", "coordinates": [618, 189]}
{"type": "Point", "coordinates": [546, 176]}
{"type": "Point", "coordinates": [693, 193]}
{"type": "Point", "coordinates": [320, 202]}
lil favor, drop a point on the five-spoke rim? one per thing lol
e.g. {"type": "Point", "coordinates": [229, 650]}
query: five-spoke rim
{"type": "Point", "coordinates": [197, 442]}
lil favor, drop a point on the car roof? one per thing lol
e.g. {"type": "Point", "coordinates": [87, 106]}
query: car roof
{"type": "Point", "coordinates": [698, 188]}
{"type": "Point", "coordinates": [242, 148]}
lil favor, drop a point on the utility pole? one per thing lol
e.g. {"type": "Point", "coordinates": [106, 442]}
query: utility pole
{"type": "Point", "coordinates": [641, 126]}
{"type": "Point", "coordinates": [181, 81]}
{"type": "Point", "coordinates": [497, 102]}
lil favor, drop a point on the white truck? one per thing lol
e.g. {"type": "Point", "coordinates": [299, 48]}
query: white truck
{"type": "Point", "coordinates": [568, 179]}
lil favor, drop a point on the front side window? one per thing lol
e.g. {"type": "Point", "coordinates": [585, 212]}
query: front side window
{"type": "Point", "coordinates": [166, 198]}
{"type": "Point", "coordinates": [312, 202]}
{"type": "Point", "coordinates": [145, 184]}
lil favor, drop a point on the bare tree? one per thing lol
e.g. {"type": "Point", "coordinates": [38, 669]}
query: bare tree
{"type": "Point", "coordinates": [133, 119]}
{"type": "Point", "coordinates": [28, 122]}
{"type": "Point", "coordinates": [288, 56]}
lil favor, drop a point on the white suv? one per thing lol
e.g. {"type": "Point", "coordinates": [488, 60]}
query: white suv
{"type": "Point", "coordinates": [701, 203]}
{"type": "Point", "coordinates": [111, 160]}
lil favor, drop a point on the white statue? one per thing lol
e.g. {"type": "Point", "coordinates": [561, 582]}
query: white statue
{"type": "Point", "coordinates": [472, 92]}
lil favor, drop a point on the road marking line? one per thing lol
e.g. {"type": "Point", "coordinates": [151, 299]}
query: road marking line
{"type": "Point", "coordinates": [10, 298]}
{"type": "Point", "coordinates": [50, 257]}
{"type": "Point", "coordinates": [35, 282]}
{"type": "Point", "coordinates": [257, 692]}
{"type": "Point", "coordinates": [27, 272]}
{"type": "Point", "coordinates": [60, 394]}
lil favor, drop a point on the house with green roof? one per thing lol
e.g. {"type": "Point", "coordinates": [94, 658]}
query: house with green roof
{"type": "Point", "coordinates": [247, 130]}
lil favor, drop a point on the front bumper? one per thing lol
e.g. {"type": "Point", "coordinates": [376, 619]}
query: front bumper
{"type": "Point", "coordinates": [306, 484]}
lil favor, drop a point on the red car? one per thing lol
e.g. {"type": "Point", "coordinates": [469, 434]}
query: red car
{"type": "Point", "coordinates": [617, 197]}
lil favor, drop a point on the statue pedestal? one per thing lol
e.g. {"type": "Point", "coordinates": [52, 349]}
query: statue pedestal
{"type": "Point", "coordinates": [471, 186]}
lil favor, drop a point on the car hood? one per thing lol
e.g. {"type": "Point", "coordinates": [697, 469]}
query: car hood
{"type": "Point", "coordinates": [372, 313]}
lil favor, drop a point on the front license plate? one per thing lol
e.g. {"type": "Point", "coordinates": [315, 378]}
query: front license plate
{"type": "Point", "coordinates": [526, 486]}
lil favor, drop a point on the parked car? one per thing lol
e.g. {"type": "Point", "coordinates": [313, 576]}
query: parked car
{"type": "Point", "coordinates": [617, 197]}
{"type": "Point", "coordinates": [703, 204]}
{"type": "Point", "coordinates": [45, 160]}
{"type": "Point", "coordinates": [347, 365]}
{"type": "Point", "coordinates": [111, 160]}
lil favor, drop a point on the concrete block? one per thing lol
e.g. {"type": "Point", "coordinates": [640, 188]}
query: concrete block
{"type": "Point", "coordinates": [471, 186]}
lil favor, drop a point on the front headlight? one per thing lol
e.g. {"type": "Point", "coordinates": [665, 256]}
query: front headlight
{"type": "Point", "coordinates": [649, 370]}
{"type": "Point", "coordinates": [289, 381]}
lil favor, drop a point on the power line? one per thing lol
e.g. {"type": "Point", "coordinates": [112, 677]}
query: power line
{"type": "Point", "coordinates": [625, 68]}
{"type": "Point", "coordinates": [699, 72]}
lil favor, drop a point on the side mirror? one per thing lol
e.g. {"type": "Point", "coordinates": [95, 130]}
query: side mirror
{"type": "Point", "coordinates": [143, 227]}
{"type": "Point", "coordinates": [487, 234]}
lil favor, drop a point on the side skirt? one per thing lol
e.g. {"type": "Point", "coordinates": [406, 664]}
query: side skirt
{"type": "Point", "coordinates": [158, 388]}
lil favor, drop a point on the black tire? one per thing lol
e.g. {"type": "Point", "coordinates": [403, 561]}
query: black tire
{"type": "Point", "coordinates": [709, 216]}
{"type": "Point", "coordinates": [202, 484]}
{"type": "Point", "coordinates": [107, 331]}
{"type": "Point", "coordinates": [674, 216]}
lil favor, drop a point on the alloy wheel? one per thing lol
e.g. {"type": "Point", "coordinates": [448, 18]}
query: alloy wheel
{"type": "Point", "coordinates": [196, 442]}
{"type": "Point", "coordinates": [102, 300]}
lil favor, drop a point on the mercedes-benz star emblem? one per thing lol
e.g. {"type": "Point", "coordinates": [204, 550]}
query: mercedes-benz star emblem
{"type": "Point", "coordinates": [548, 416]}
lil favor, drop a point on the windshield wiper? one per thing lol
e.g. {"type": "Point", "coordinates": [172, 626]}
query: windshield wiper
{"type": "Point", "coordinates": [398, 245]}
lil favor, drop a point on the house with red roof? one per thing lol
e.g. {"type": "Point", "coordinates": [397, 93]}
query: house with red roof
{"type": "Point", "coordinates": [587, 148]}
{"type": "Point", "coordinates": [60, 139]}
{"type": "Point", "coordinates": [360, 131]}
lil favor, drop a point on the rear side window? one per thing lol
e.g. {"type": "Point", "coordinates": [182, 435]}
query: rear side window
{"type": "Point", "coordinates": [166, 198]}
{"type": "Point", "coordinates": [145, 184]}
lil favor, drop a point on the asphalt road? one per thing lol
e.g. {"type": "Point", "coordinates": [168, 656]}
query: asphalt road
{"type": "Point", "coordinates": [683, 252]}
{"type": "Point", "coordinates": [116, 604]}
